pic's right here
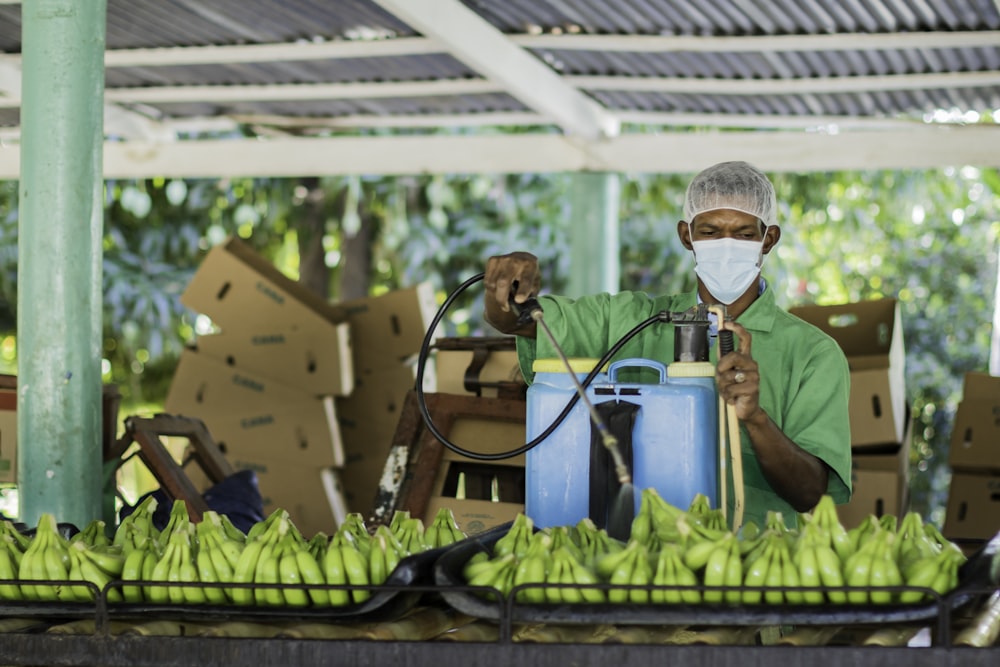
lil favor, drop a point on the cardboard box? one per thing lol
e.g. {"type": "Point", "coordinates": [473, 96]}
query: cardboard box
{"type": "Point", "coordinates": [875, 492]}
{"type": "Point", "coordinates": [975, 436]}
{"type": "Point", "coordinates": [871, 335]}
{"type": "Point", "coordinates": [498, 366]}
{"type": "Point", "coordinates": [889, 457]}
{"type": "Point", "coordinates": [296, 432]}
{"type": "Point", "coordinates": [973, 510]}
{"type": "Point", "coordinates": [8, 436]}
{"type": "Point", "coordinates": [474, 516]}
{"type": "Point", "coordinates": [367, 420]}
{"type": "Point", "coordinates": [246, 410]}
{"type": "Point", "coordinates": [388, 330]}
{"type": "Point", "coordinates": [305, 492]}
{"type": "Point", "coordinates": [313, 363]}
{"type": "Point", "coordinates": [481, 494]}
{"type": "Point", "coordinates": [237, 288]}
{"type": "Point", "coordinates": [977, 385]}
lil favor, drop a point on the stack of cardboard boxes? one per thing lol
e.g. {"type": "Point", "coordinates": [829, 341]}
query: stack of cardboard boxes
{"type": "Point", "coordinates": [283, 385]}
{"type": "Point", "coordinates": [871, 336]}
{"type": "Point", "coordinates": [973, 512]}
{"type": "Point", "coordinates": [387, 332]}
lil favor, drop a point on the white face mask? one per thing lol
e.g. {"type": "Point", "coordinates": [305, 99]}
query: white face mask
{"type": "Point", "coordinates": [728, 266]}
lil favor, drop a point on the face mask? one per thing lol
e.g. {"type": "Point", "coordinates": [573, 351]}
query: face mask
{"type": "Point", "coordinates": [727, 266]}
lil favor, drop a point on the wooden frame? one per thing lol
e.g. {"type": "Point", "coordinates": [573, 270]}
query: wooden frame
{"type": "Point", "coordinates": [416, 455]}
{"type": "Point", "coordinates": [153, 453]}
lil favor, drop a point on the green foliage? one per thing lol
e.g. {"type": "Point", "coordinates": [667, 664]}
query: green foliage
{"type": "Point", "coordinates": [928, 238]}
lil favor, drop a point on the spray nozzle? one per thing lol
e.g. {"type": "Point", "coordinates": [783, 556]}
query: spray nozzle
{"type": "Point", "coordinates": [527, 312]}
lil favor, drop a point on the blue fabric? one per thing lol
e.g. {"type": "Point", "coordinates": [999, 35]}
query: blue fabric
{"type": "Point", "coordinates": [238, 497]}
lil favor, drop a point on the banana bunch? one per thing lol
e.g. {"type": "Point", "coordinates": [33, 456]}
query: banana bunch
{"type": "Point", "coordinates": [99, 565]}
{"type": "Point", "coordinates": [443, 530]}
{"type": "Point", "coordinates": [410, 533]}
{"type": "Point", "coordinates": [566, 568]}
{"type": "Point", "coordinates": [819, 566]}
{"type": "Point", "coordinates": [177, 564]}
{"type": "Point", "coordinates": [356, 531]}
{"type": "Point", "coordinates": [724, 568]}
{"type": "Point", "coordinates": [343, 564]}
{"type": "Point", "coordinates": [824, 516]}
{"type": "Point", "coordinates": [629, 567]}
{"type": "Point", "coordinates": [384, 555]}
{"type": "Point", "coordinates": [938, 572]}
{"type": "Point", "coordinates": [594, 543]}
{"type": "Point", "coordinates": [495, 572]}
{"type": "Point", "coordinates": [46, 558]}
{"type": "Point", "coordinates": [871, 567]}
{"type": "Point", "coordinates": [515, 541]}
{"type": "Point", "coordinates": [93, 534]}
{"type": "Point", "coordinates": [774, 568]}
{"type": "Point", "coordinates": [534, 568]}
{"type": "Point", "coordinates": [13, 544]}
{"type": "Point", "coordinates": [671, 572]}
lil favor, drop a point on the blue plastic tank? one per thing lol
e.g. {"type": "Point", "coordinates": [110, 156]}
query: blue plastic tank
{"type": "Point", "coordinates": [674, 439]}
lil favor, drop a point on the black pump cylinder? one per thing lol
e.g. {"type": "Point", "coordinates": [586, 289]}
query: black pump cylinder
{"type": "Point", "coordinates": [691, 341]}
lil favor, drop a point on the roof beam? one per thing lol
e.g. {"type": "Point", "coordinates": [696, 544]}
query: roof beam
{"type": "Point", "coordinates": [488, 51]}
{"type": "Point", "coordinates": [796, 86]}
{"type": "Point", "coordinates": [434, 88]}
{"type": "Point", "coordinates": [763, 43]}
{"type": "Point", "coordinates": [794, 151]}
{"type": "Point", "coordinates": [413, 46]}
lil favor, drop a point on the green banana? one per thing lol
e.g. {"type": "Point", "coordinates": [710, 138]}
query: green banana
{"type": "Point", "coordinates": [243, 573]}
{"type": "Point", "coordinates": [8, 572]}
{"type": "Point", "coordinates": [642, 575]}
{"type": "Point", "coordinates": [571, 594]}
{"type": "Point", "coordinates": [756, 575]}
{"type": "Point", "coordinates": [586, 581]}
{"type": "Point", "coordinates": [790, 577]}
{"type": "Point", "coordinates": [809, 575]}
{"type": "Point", "coordinates": [622, 574]}
{"type": "Point", "coordinates": [357, 573]}
{"type": "Point", "coordinates": [335, 575]}
{"type": "Point", "coordinates": [377, 558]}
{"type": "Point", "coordinates": [665, 575]}
{"type": "Point", "coordinates": [290, 574]}
{"type": "Point", "coordinates": [714, 575]}
{"type": "Point", "coordinates": [209, 575]}
{"type": "Point", "coordinates": [312, 575]}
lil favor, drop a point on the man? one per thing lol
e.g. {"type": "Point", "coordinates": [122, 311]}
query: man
{"type": "Point", "coordinates": [787, 381]}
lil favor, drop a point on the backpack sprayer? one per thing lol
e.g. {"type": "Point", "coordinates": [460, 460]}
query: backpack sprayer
{"type": "Point", "coordinates": [604, 437]}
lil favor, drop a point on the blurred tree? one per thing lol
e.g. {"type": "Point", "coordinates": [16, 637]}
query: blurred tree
{"type": "Point", "coordinates": [927, 238]}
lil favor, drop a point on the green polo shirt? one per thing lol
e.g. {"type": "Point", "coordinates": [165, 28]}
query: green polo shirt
{"type": "Point", "coordinates": [804, 378]}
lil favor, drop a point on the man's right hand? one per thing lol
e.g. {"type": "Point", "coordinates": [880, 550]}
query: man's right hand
{"type": "Point", "coordinates": [515, 274]}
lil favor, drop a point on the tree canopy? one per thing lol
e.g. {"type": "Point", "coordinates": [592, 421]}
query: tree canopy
{"type": "Point", "coordinates": [927, 238]}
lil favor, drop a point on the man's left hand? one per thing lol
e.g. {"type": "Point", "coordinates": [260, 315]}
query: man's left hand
{"type": "Point", "coordinates": [738, 377]}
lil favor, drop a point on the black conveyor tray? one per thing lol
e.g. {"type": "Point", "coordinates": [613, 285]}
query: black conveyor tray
{"type": "Point", "coordinates": [974, 578]}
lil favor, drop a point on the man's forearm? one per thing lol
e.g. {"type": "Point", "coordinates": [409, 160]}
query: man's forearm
{"type": "Point", "coordinates": [796, 475]}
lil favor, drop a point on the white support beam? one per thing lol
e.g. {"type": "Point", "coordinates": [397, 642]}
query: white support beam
{"type": "Point", "coordinates": [797, 86]}
{"type": "Point", "coordinates": [762, 43]}
{"type": "Point", "coordinates": [303, 91]}
{"type": "Point", "coordinates": [488, 51]}
{"type": "Point", "coordinates": [270, 53]}
{"type": "Point", "coordinates": [795, 151]}
{"type": "Point", "coordinates": [447, 87]}
{"type": "Point", "coordinates": [415, 46]}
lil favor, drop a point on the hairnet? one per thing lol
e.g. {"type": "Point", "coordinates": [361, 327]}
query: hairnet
{"type": "Point", "coordinates": [734, 185]}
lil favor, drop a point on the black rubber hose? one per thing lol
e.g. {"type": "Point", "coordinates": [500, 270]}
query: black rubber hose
{"type": "Point", "coordinates": [662, 316]}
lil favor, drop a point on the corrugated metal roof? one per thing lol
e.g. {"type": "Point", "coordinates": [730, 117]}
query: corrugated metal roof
{"type": "Point", "coordinates": [361, 64]}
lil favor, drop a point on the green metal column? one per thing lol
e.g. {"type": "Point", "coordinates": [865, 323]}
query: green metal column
{"type": "Point", "coordinates": [59, 260]}
{"type": "Point", "coordinates": [594, 249]}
